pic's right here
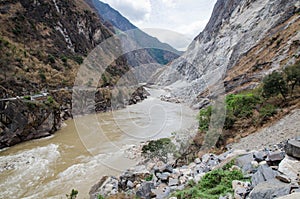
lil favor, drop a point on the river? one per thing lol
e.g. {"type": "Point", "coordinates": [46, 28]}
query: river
{"type": "Point", "coordinates": [87, 148]}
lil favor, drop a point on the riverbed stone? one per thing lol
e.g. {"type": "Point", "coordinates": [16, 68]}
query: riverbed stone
{"type": "Point", "coordinates": [173, 182]}
{"type": "Point", "coordinates": [144, 191]}
{"type": "Point", "coordinates": [161, 191]}
{"type": "Point", "coordinates": [108, 185]}
{"type": "Point", "coordinates": [198, 177]}
{"type": "Point", "coordinates": [260, 156]}
{"type": "Point", "coordinates": [244, 162]}
{"type": "Point", "coordinates": [270, 189]}
{"type": "Point", "coordinates": [292, 148]}
{"type": "Point", "coordinates": [263, 173]}
{"type": "Point", "coordinates": [283, 178]}
{"type": "Point", "coordinates": [290, 167]}
{"type": "Point", "coordinates": [241, 189]}
{"type": "Point", "coordinates": [168, 168]}
{"type": "Point", "coordinates": [197, 161]}
{"type": "Point", "coordinates": [274, 158]}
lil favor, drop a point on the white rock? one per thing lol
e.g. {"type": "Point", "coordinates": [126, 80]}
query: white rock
{"type": "Point", "coordinates": [290, 167]}
{"type": "Point", "coordinates": [197, 161]}
{"type": "Point", "coordinates": [198, 177]}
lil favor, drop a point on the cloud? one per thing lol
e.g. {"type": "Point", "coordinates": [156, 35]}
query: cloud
{"type": "Point", "coordinates": [187, 17]}
{"type": "Point", "coordinates": [175, 39]}
{"type": "Point", "coordinates": [134, 10]}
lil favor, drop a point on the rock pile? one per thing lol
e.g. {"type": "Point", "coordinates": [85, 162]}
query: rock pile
{"type": "Point", "coordinates": [273, 173]}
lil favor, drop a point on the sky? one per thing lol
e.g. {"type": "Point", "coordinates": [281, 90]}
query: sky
{"type": "Point", "coordinates": [176, 22]}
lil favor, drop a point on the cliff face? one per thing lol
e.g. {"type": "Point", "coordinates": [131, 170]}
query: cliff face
{"type": "Point", "coordinates": [43, 44]}
{"type": "Point", "coordinates": [243, 41]}
{"type": "Point", "coordinates": [26, 120]}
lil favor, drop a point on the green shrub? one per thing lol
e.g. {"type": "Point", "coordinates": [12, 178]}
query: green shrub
{"type": "Point", "coordinates": [64, 59]}
{"type": "Point", "coordinates": [50, 99]}
{"type": "Point", "coordinates": [242, 105]}
{"type": "Point", "coordinates": [149, 178]}
{"type": "Point", "coordinates": [42, 76]}
{"type": "Point", "coordinates": [160, 149]}
{"type": "Point", "coordinates": [213, 185]}
{"type": "Point", "coordinates": [100, 197]}
{"type": "Point", "coordinates": [293, 76]}
{"type": "Point", "coordinates": [204, 118]}
{"type": "Point", "coordinates": [73, 194]}
{"type": "Point", "coordinates": [51, 59]}
{"type": "Point", "coordinates": [27, 97]}
{"type": "Point", "coordinates": [267, 111]}
{"type": "Point", "coordinates": [155, 145]}
{"type": "Point", "coordinates": [78, 59]}
{"type": "Point", "coordinates": [275, 84]}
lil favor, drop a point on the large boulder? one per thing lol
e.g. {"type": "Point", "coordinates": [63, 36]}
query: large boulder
{"type": "Point", "coordinates": [145, 190]}
{"type": "Point", "coordinates": [290, 167]}
{"type": "Point", "coordinates": [245, 162]}
{"type": "Point", "coordinates": [263, 174]}
{"type": "Point", "coordinates": [292, 148]}
{"type": "Point", "coordinates": [270, 189]}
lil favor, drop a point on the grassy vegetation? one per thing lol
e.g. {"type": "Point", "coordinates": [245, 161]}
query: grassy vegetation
{"type": "Point", "coordinates": [212, 185]}
{"type": "Point", "coordinates": [159, 149]}
{"type": "Point", "coordinates": [254, 108]}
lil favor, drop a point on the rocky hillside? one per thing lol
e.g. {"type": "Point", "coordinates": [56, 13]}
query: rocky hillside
{"type": "Point", "coordinates": [42, 46]}
{"type": "Point", "coordinates": [243, 41]}
{"type": "Point", "coordinates": [44, 42]}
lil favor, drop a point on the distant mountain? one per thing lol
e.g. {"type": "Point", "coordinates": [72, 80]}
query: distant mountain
{"type": "Point", "coordinates": [161, 53]}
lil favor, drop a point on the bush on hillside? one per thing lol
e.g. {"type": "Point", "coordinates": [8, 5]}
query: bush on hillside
{"type": "Point", "coordinates": [160, 149]}
{"type": "Point", "coordinates": [275, 84]}
{"type": "Point", "coordinates": [293, 76]}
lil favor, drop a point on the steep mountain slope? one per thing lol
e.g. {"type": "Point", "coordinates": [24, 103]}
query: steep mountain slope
{"type": "Point", "coordinates": [42, 46]}
{"type": "Point", "coordinates": [162, 53]}
{"type": "Point", "coordinates": [44, 42]}
{"type": "Point", "coordinates": [243, 41]}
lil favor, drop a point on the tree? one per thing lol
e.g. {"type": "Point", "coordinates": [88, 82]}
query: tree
{"type": "Point", "coordinates": [293, 76]}
{"type": "Point", "coordinates": [275, 84]}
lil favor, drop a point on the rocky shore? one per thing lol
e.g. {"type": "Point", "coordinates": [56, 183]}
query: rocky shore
{"type": "Point", "coordinates": [270, 169]}
{"type": "Point", "coordinates": [269, 173]}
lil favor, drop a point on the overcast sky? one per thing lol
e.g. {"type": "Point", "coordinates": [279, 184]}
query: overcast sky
{"type": "Point", "coordinates": [182, 20]}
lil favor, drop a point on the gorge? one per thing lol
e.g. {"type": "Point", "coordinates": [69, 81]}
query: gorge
{"type": "Point", "coordinates": [97, 72]}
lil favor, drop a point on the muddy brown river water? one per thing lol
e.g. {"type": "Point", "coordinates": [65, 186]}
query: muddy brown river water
{"type": "Point", "coordinates": [87, 148]}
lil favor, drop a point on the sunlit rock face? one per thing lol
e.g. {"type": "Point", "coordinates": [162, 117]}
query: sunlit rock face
{"type": "Point", "coordinates": [243, 41]}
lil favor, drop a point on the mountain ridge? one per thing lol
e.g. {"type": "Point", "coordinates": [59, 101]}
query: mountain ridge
{"type": "Point", "coordinates": [162, 53]}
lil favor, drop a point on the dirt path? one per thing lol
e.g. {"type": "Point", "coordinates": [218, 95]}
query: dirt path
{"type": "Point", "coordinates": [286, 128]}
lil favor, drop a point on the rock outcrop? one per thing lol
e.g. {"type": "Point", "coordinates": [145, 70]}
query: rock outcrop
{"type": "Point", "coordinates": [22, 120]}
{"type": "Point", "coordinates": [243, 41]}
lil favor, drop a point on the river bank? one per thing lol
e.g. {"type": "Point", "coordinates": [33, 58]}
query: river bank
{"type": "Point", "coordinates": [268, 161]}
{"type": "Point", "coordinates": [88, 147]}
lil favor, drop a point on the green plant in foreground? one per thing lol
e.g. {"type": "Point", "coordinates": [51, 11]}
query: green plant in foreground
{"type": "Point", "coordinates": [212, 185]}
{"type": "Point", "coordinates": [73, 194]}
{"type": "Point", "coordinates": [149, 178]}
{"type": "Point", "coordinates": [100, 197]}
